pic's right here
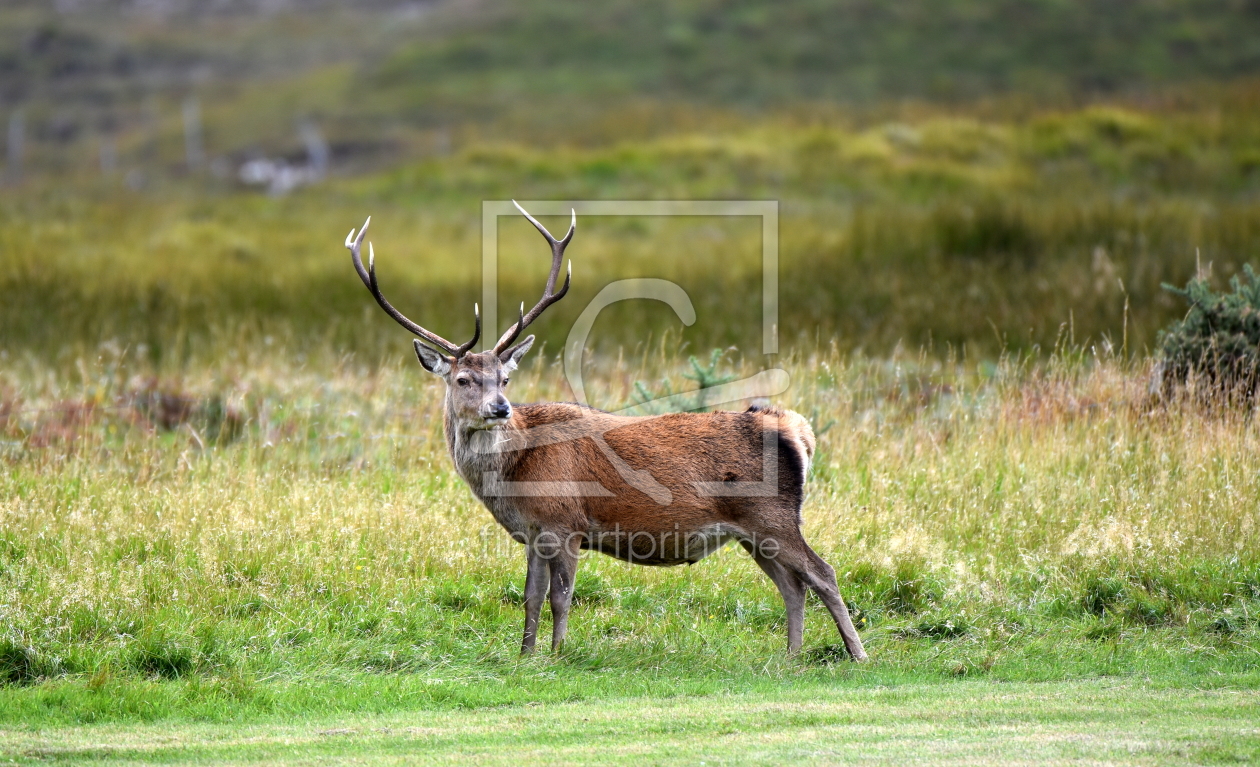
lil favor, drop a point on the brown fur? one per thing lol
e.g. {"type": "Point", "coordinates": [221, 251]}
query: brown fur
{"type": "Point", "coordinates": [727, 448]}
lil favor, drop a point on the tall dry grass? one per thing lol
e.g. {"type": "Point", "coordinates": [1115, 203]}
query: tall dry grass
{"type": "Point", "coordinates": [289, 516]}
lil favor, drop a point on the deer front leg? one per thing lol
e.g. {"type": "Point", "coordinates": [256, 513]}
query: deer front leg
{"type": "Point", "coordinates": [563, 570]}
{"type": "Point", "coordinates": [536, 571]}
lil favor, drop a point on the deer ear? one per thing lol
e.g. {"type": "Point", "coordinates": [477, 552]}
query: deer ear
{"type": "Point", "coordinates": [511, 357]}
{"type": "Point", "coordinates": [432, 361]}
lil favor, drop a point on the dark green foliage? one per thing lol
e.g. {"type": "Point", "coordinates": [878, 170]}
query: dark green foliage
{"type": "Point", "coordinates": [16, 662]}
{"type": "Point", "coordinates": [513, 594]}
{"type": "Point", "coordinates": [648, 401]}
{"type": "Point", "coordinates": [1227, 625]}
{"type": "Point", "coordinates": [909, 588]}
{"type": "Point", "coordinates": [861, 618]}
{"type": "Point", "coordinates": [939, 628]}
{"type": "Point", "coordinates": [1151, 609]}
{"type": "Point", "coordinates": [706, 377]}
{"type": "Point", "coordinates": [1102, 594]}
{"type": "Point", "coordinates": [827, 655]}
{"type": "Point", "coordinates": [1138, 599]}
{"type": "Point", "coordinates": [1104, 630]}
{"type": "Point", "coordinates": [1218, 341]}
{"type": "Point", "coordinates": [909, 592]}
{"type": "Point", "coordinates": [20, 664]}
{"type": "Point", "coordinates": [158, 654]}
{"type": "Point", "coordinates": [366, 625]}
{"type": "Point", "coordinates": [989, 230]}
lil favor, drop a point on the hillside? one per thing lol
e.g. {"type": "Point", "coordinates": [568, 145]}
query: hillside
{"type": "Point", "coordinates": [380, 77]}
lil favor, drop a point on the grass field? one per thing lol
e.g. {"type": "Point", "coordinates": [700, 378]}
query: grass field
{"type": "Point", "coordinates": [229, 527]}
{"type": "Point", "coordinates": [226, 501]}
{"type": "Point", "coordinates": [1095, 722]}
{"type": "Point", "coordinates": [267, 539]}
{"type": "Point", "coordinates": [228, 520]}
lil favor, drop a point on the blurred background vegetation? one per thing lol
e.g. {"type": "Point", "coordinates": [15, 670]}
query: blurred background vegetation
{"type": "Point", "coordinates": [964, 177]}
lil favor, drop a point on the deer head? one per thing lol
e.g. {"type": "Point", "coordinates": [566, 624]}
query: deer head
{"type": "Point", "coordinates": [475, 382]}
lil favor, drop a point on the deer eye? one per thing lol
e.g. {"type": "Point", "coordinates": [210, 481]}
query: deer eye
{"type": "Point", "coordinates": [461, 381]}
{"type": "Point", "coordinates": [505, 381]}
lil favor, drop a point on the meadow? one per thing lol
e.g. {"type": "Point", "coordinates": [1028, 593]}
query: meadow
{"type": "Point", "coordinates": [284, 536]}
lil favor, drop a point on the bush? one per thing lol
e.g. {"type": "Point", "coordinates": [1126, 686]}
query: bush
{"type": "Point", "coordinates": [1218, 341]}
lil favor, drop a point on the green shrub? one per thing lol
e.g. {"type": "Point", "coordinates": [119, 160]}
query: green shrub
{"type": "Point", "coordinates": [1129, 600]}
{"type": "Point", "coordinates": [1218, 341]}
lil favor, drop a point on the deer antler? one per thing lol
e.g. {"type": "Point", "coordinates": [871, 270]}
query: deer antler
{"type": "Point", "coordinates": [548, 297]}
{"type": "Point", "coordinates": [368, 276]}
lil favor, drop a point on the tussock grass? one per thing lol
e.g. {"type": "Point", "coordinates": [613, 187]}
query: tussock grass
{"type": "Point", "coordinates": [1027, 520]}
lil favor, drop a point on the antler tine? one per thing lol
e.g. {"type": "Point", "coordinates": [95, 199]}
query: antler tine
{"type": "Point", "coordinates": [368, 276]}
{"type": "Point", "coordinates": [548, 297]}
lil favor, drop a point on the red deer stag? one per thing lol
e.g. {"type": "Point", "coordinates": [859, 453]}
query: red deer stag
{"type": "Point", "coordinates": [662, 490]}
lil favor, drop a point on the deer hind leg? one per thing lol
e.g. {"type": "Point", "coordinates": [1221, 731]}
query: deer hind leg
{"type": "Point", "coordinates": [563, 571]}
{"type": "Point", "coordinates": [792, 590]}
{"type": "Point", "coordinates": [797, 556]}
{"type": "Point", "coordinates": [536, 575]}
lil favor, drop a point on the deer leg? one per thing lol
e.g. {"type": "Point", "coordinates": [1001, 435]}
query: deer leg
{"type": "Point", "coordinates": [563, 571]}
{"type": "Point", "coordinates": [792, 591]}
{"type": "Point", "coordinates": [535, 589]}
{"type": "Point", "coordinates": [814, 572]}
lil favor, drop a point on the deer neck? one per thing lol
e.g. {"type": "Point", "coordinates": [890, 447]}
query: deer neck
{"type": "Point", "coordinates": [476, 450]}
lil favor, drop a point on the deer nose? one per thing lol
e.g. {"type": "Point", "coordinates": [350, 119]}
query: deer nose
{"type": "Point", "coordinates": [500, 409]}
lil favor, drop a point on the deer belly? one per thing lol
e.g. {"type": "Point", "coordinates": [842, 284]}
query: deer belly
{"type": "Point", "coordinates": [660, 549]}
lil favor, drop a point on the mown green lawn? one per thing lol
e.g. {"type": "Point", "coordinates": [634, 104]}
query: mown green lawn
{"type": "Point", "coordinates": [1096, 721]}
